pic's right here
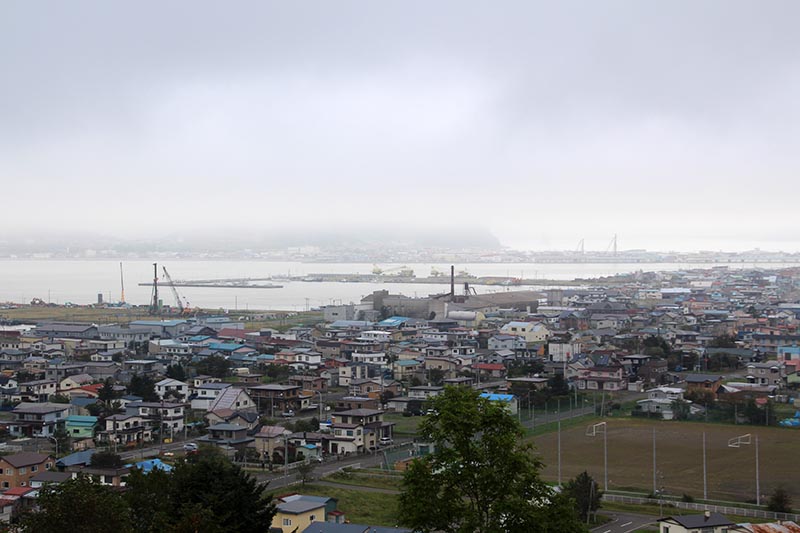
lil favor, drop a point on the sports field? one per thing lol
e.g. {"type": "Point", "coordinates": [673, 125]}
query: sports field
{"type": "Point", "coordinates": [679, 458]}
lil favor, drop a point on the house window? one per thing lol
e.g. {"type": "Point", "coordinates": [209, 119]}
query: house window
{"type": "Point", "coordinates": [287, 521]}
{"type": "Point", "coordinates": [9, 472]}
{"type": "Point", "coordinates": [5, 484]}
{"type": "Point", "coordinates": [35, 468]}
{"type": "Point", "coordinates": [312, 518]}
{"type": "Point", "coordinates": [23, 470]}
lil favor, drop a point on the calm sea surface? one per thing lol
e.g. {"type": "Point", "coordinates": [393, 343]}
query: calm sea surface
{"type": "Point", "coordinates": [79, 281]}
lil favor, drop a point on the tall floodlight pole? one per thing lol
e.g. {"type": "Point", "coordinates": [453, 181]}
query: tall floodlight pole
{"type": "Point", "coordinates": [559, 452]}
{"type": "Point", "coordinates": [705, 472]}
{"type": "Point", "coordinates": [655, 486]}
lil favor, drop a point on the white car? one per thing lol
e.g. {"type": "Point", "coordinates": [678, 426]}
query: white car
{"type": "Point", "coordinates": [385, 441]}
{"type": "Point", "coordinates": [190, 447]}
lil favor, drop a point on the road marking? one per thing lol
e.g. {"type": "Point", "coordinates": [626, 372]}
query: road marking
{"type": "Point", "coordinates": [626, 524]}
{"type": "Point", "coordinates": [607, 531]}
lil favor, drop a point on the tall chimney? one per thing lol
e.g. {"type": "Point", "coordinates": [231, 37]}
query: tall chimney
{"type": "Point", "coordinates": [452, 281]}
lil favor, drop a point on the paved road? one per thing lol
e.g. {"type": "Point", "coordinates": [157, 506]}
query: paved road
{"type": "Point", "coordinates": [624, 522]}
{"type": "Point", "coordinates": [278, 479]}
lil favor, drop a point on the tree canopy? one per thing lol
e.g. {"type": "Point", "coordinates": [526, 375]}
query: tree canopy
{"type": "Point", "coordinates": [480, 476]}
{"type": "Point", "coordinates": [207, 493]}
{"type": "Point", "coordinates": [583, 490]}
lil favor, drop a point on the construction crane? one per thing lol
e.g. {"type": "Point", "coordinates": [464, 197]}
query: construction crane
{"type": "Point", "coordinates": [174, 290]}
{"type": "Point", "coordinates": [155, 307]}
{"type": "Point", "coordinates": [121, 284]}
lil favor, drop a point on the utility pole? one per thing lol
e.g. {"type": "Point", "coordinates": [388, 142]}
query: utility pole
{"type": "Point", "coordinates": [559, 452]}
{"type": "Point", "coordinates": [655, 486]}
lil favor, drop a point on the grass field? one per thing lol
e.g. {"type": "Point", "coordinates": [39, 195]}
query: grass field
{"type": "Point", "coordinates": [101, 315]}
{"type": "Point", "coordinates": [360, 506]}
{"type": "Point", "coordinates": [77, 314]}
{"type": "Point", "coordinates": [731, 471]}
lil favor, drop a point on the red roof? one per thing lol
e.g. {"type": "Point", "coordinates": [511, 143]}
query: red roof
{"type": "Point", "coordinates": [231, 332]}
{"type": "Point", "coordinates": [93, 389]}
{"type": "Point", "coordinates": [488, 366]}
{"type": "Point", "coordinates": [18, 491]}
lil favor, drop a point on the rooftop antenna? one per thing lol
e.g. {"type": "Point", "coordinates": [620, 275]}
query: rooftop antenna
{"type": "Point", "coordinates": [452, 281]}
{"type": "Point", "coordinates": [615, 245]}
{"type": "Point", "coordinates": [580, 246]}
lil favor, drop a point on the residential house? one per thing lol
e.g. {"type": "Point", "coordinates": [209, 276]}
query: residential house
{"type": "Point", "coordinates": [315, 383]}
{"type": "Point", "coordinates": [506, 342]}
{"type": "Point", "coordinates": [172, 388]}
{"type": "Point", "coordinates": [296, 515]}
{"type": "Point", "coordinates": [36, 391]}
{"type": "Point", "coordinates": [230, 436]}
{"type": "Point", "coordinates": [75, 381]}
{"type": "Point", "coordinates": [80, 427]}
{"type": "Point", "coordinates": [37, 419]}
{"type": "Point", "coordinates": [204, 395]}
{"type": "Point", "coordinates": [331, 527]}
{"type": "Point", "coordinates": [168, 415]}
{"type": "Point", "coordinates": [270, 438]}
{"type": "Point", "coordinates": [707, 384]}
{"type": "Point", "coordinates": [707, 522]}
{"type": "Point", "coordinates": [233, 398]}
{"type": "Point", "coordinates": [17, 469]}
{"type": "Point", "coordinates": [423, 392]}
{"type": "Point", "coordinates": [532, 332]}
{"type": "Point", "coordinates": [274, 397]}
{"type": "Point", "coordinates": [508, 400]}
{"type": "Point", "coordinates": [126, 431]}
{"type": "Point", "coordinates": [609, 377]}
{"type": "Point", "coordinates": [769, 373]}
{"type": "Point", "coordinates": [357, 430]}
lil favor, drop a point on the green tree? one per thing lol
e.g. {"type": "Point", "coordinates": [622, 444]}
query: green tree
{"type": "Point", "coordinates": [80, 506]}
{"type": "Point", "coordinates": [305, 472]}
{"type": "Point", "coordinates": [234, 497]}
{"type": "Point", "coordinates": [583, 490]}
{"type": "Point", "coordinates": [780, 501]}
{"type": "Point", "coordinates": [176, 371]}
{"type": "Point", "coordinates": [144, 387]}
{"type": "Point", "coordinates": [63, 441]}
{"type": "Point", "coordinates": [106, 393]}
{"type": "Point", "coordinates": [206, 493]}
{"type": "Point", "coordinates": [723, 341]}
{"type": "Point", "coordinates": [436, 376]}
{"type": "Point", "coordinates": [105, 459]}
{"type": "Point", "coordinates": [214, 366]}
{"type": "Point", "coordinates": [480, 476]}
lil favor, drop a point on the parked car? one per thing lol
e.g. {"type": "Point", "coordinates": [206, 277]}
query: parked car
{"type": "Point", "coordinates": [287, 414]}
{"type": "Point", "coordinates": [190, 447]}
{"type": "Point", "coordinates": [385, 441]}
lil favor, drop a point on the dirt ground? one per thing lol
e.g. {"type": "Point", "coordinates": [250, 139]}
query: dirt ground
{"type": "Point", "coordinates": [679, 458]}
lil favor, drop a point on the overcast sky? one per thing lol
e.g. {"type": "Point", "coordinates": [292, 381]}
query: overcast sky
{"type": "Point", "coordinates": [673, 124]}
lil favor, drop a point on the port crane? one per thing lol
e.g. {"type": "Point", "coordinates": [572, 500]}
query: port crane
{"type": "Point", "coordinates": [177, 296]}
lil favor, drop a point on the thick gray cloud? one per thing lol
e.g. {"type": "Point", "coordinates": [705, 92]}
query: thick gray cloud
{"type": "Point", "coordinates": [673, 124]}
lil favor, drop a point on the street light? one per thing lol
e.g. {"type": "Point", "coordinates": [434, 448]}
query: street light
{"type": "Point", "coordinates": [592, 431]}
{"type": "Point", "coordinates": [744, 440]}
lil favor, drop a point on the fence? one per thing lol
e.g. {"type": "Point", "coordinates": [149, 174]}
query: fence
{"type": "Point", "coordinates": [690, 506]}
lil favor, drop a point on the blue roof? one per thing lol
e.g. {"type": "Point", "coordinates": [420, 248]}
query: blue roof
{"type": "Point", "coordinates": [407, 362]}
{"type": "Point", "coordinates": [199, 338]}
{"type": "Point", "coordinates": [150, 464]}
{"type": "Point", "coordinates": [79, 419]}
{"type": "Point", "coordinates": [225, 346]}
{"type": "Point", "coordinates": [77, 458]}
{"type": "Point", "coordinates": [497, 397]}
{"type": "Point", "coordinates": [83, 402]}
{"type": "Point", "coordinates": [393, 321]}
